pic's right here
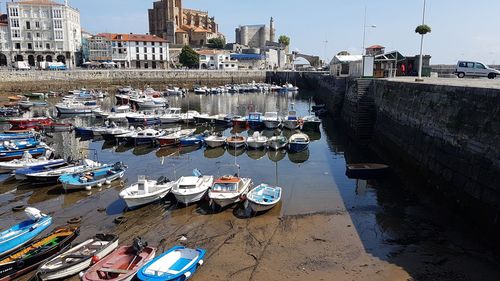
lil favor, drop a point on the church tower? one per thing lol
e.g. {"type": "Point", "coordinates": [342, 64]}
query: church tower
{"type": "Point", "coordinates": [272, 31]}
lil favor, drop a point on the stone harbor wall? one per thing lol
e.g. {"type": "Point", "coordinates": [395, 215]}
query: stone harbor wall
{"type": "Point", "coordinates": [451, 134]}
{"type": "Point", "coordinates": [26, 81]}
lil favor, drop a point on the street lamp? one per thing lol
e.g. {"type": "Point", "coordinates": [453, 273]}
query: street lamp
{"type": "Point", "coordinates": [364, 32]}
{"type": "Point", "coordinates": [421, 46]}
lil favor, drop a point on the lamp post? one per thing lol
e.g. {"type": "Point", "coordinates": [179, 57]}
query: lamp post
{"type": "Point", "coordinates": [363, 51]}
{"type": "Point", "coordinates": [421, 46]}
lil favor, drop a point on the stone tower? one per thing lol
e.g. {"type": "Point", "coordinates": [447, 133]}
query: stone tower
{"type": "Point", "coordinates": [272, 31]}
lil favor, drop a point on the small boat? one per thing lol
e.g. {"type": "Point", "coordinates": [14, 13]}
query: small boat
{"type": "Point", "coordinates": [175, 91]}
{"type": "Point", "coordinates": [256, 141]}
{"type": "Point", "coordinates": [28, 258]}
{"type": "Point", "coordinates": [291, 121]}
{"type": "Point", "coordinates": [18, 144]}
{"type": "Point", "coordinates": [201, 90]}
{"type": "Point", "coordinates": [18, 154]}
{"type": "Point", "coordinates": [173, 115]}
{"type": "Point", "coordinates": [311, 123]}
{"type": "Point", "coordinates": [298, 142]}
{"type": "Point", "coordinates": [84, 131]}
{"type": "Point", "coordinates": [96, 177]}
{"type": "Point", "coordinates": [215, 140]}
{"type": "Point", "coordinates": [147, 136]}
{"type": "Point", "coordinates": [205, 119]}
{"type": "Point", "coordinates": [236, 141]}
{"type": "Point", "coordinates": [366, 170]}
{"type": "Point", "coordinates": [22, 233]}
{"type": "Point", "coordinates": [78, 258]}
{"type": "Point", "coordinates": [189, 116]}
{"type": "Point", "coordinates": [35, 123]}
{"type": "Point", "coordinates": [122, 264]}
{"type": "Point", "coordinates": [255, 120]}
{"type": "Point", "coordinates": [272, 120]}
{"type": "Point", "coordinates": [52, 176]}
{"type": "Point", "coordinates": [20, 174]}
{"type": "Point", "coordinates": [18, 136]}
{"type": "Point", "coordinates": [35, 95]}
{"type": "Point", "coordinates": [177, 264]}
{"type": "Point", "coordinates": [75, 107]}
{"type": "Point", "coordinates": [228, 190]}
{"type": "Point", "coordinates": [150, 102]}
{"type": "Point", "coordinates": [277, 142]}
{"type": "Point", "coordinates": [175, 138]}
{"type": "Point", "coordinates": [143, 119]}
{"type": "Point", "coordinates": [192, 189]}
{"type": "Point", "coordinates": [264, 197]}
{"type": "Point", "coordinates": [146, 191]}
{"type": "Point", "coordinates": [196, 140]}
{"type": "Point", "coordinates": [111, 133]}
{"type": "Point", "coordinates": [57, 127]}
{"type": "Point", "coordinates": [240, 122]}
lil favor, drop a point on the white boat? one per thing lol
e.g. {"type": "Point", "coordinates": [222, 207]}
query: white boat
{"type": "Point", "coordinates": [175, 91]}
{"type": "Point", "coordinates": [174, 138]}
{"type": "Point", "coordinates": [75, 107]}
{"type": "Point", "coordinates": [291, 121]}
{"type": "Point", "coordinates": [236, 141]}
{"type": "Point", "coordinates": [214, 141]}
{"type": "Point", "coordinates": [298, 142]}
{"type": "Point", "coordinates": [264, 197]}
{"type": "Point", "coordinates": [272, 120]}
{"type": "Point", "coordinates": [173, 115]}
{"type": "Point", "coordinates": [100, 113]}
{"type": "Point", "coordinates": [78, 258]}
{"type": "Point", "coordinates": [277, 142]}
{"type": "Point", "coordinates": [257, 141]}
{"type": "Point", "coordinates": [149, 102]}
{"type": "Point", "coordinates": [228, 190]}
{"type": "Point", "coordinates": [288, 87]}
{"type": "Point", "coordinates": [146, 191]}
{"type": "Point", "coordinates": [147, 136]}
{"type": "Point", "coordinates": [51, 176]}
{"type": "Point", "coordinates": [189, 116]}
{"type": "Point", "coordinates": [192, 189]}
{"type": "Point", "coordinates": [201, 90]}
{"type": "Point", "coordinates": [27, 161]}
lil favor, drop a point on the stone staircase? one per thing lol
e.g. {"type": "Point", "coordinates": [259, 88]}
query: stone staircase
{"type": "Point", "coordinates": [359, 109]}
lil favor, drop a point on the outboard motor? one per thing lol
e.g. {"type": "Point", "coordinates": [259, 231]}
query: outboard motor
{"type": "Point", "coordinates": [33, 213]}
{"type": "Point", "coordinates": [138, 245]}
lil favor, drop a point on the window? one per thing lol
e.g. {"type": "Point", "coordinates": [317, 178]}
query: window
{"type": "Point", "coordinates": [145, 50]}
{"type": "Point", "coordinates": [146, 65]}
{"type": "Point", "coordinates": [161, 57]}
{"type": "Point", "coordinates": [154, 50]}
{"type": "Point", "coordinates": [57, 14]}
{"type": "Point", "coordinates": [145, 57]}
{"type": "Point", "coordinates": [153, 65]}
{"type": "Point", "coordinates": [480, 66]}
{"type": "Point", "coordinates": [154, 57]}
{"type": "Point", "coordinates": [152, 43]}
{"type": "Point", "coordinates": [28, 25]}
{"type": "Point", "coordinates": [30, 46]}
{"type": "Point", "coordinates": [138, 64]}
{"type": "Point", "coordinates": [58, 34]}
{"type": "Point", "coordinates": [29, 35]}
{"type": "Point", "coordinates": [14, 22]}
{"type": "Point", "coordinates": [137, 49]}
{"type": "Point", "coordinates": [18, 46]}
{"type": "Point", "coordinates": [14, 12]}
{"type": "Point", "coordinates": [470, 65]}
{"type": "Point", "coordinates": [137, 57]}
{"type": "Point", "coordinates": [37, 35]}
{"type": "Point", "coordinates": [161, 50]}
{"type": "Point", "coordinates": [16, 33]}
{"type": "Point", "coordinates": [58, 24]}
{"type": "Point", "coordinates": [47, 46]}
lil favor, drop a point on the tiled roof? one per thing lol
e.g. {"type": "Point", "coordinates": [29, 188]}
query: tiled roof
{"type": "Point", "coordinates": [132, 37]}
{"type": "Point", "coordinates": [210, 52]}
{"type": "Point", "coordinates": [375, 47]}
{"type": "Point", "coordinates": [180, 30]}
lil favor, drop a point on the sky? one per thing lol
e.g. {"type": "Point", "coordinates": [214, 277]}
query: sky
{"type": "Point", "coordinates": [461, 29]}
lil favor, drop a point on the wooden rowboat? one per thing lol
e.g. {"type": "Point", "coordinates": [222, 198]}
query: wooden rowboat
{"type": "Point", "coordinates": [366, 170]}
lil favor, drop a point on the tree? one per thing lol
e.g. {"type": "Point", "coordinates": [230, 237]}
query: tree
{"type": "Point", "coordinates": [189, 57]}
{"type": "Point", "coordinates": [423, 29]}
{"type": "Point", "coordinates": [343, 53]}
{"type": "Point", "coordinates": [284, 40]}
{"type": "Point", "coordinates": [217, 43]}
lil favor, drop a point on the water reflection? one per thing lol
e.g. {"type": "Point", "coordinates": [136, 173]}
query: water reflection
{"type": "Point", "coordinates": [214, 153]}
{"type": "Point", "coordinates": [276, 155]}
{"type": "Point", "coordinates": [299, 157]}
{"type": "Point", "coordinates": [256, 154]}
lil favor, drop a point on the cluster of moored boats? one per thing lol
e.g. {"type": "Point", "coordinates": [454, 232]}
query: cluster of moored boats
{"type": "Point", "coordinates": [55, 256]}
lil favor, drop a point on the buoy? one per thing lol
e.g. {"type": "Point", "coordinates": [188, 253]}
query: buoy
{"type": "Point", "coordinates": [100, 210]}
{"type": "Point", "coordinates": [75, 220]}
{"type": "Point", "coordinates": [88, 187]}
{"type": "Point", "coordinates": [108, 182]}
{"type": "Point", "coordinates": [95, 259]}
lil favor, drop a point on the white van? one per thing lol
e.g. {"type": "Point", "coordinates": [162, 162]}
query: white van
{"type": "Point", "coordinates": [475, 69]}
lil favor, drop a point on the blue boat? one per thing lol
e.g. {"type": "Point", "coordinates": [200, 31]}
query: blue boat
{"type": "Point", "coordinates": [298, 142]}
{"type": "Point", "coordinates": [17, 136]}
{"type": "Point", "coordinates": [177, 264]}
{"type": "Point", "coordinates": [192, 140]}
{"type": "Point", "coordinates": [84, 131]}
{"type": "Point", "coordinates": [18, 144]}
{"type": "Point", "coordinates": [255, 120]}
{"type": "Point", "coordinates": [22, 233]}
{"type": "Point", "coordinates": [20, 174]}
{"type": "Point", "coordinates": [93, 178]}
{"type": "Point", "coordinates": [18, 154]}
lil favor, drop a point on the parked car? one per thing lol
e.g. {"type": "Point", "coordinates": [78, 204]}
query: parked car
{"type": "Point", "coordinates": [475, 69]}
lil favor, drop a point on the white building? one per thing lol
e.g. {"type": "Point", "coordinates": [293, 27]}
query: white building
{"type": "Point", "coordinates": [214, 59]}
{"type": "Point", "coordinates": [4, 41]}
{"type": "Point", "coordinates": [43, 30]}
{"type": "Point", "coordinates": [138, 51]}
{"type": "Point", "coordinates": [346, 65]}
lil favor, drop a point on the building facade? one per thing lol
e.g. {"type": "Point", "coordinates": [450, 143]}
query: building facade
{"type": "Point", "coordinates": [137, 51]}
{"type": "Point", "coordinates": [169, 20]}
{"type": "Point", "coordinates": [255, 36]}
{"type": "Point", "coordinates": [43, 30]}
{"type": "Point", "coordinates": [217, 60]}
{"type": "Point", "coordinates": [4, 41]}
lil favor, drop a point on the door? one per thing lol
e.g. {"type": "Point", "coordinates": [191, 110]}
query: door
{"type": "Point", "coordinates": [480, 69]}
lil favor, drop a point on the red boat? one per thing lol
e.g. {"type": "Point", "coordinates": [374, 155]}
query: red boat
{"type": "Point", "coordinates": [30, 123]}
{"type": "Point", "coordinates": [122, 264]}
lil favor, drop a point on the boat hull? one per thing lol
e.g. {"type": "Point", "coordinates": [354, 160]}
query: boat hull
{"type": "Point", "coordinates": [256, 144]}
{"type": "Point", "coordinates": [215, 143]}
{"type": "Point", "coordinates": [142, 201]}
{"type": "Point", "coordinates": [18, 154]}
{"type": "Point", "coordinates": [272, 124]}
{"type": "Point", "coordinates": [187, 199]}
{"type": "Point", "coordinates": [298, 147]}
{"type": "Point", "coordinates": [256, 207]}
{"type": "Point", "coordinates": [25, 237]}
{"type": "Point", "coordinates": [291, 124]}
{"type": "Point", "coordinates": [80, 186]}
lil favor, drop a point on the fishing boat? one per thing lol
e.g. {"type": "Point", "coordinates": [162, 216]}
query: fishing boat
{"type": "Point", "coordinates": [255, 120]}
{"type": "Point", "coordinates": [264, 197]}
{"type": "Point", "coordinates": [196, 140]}
{"type": "Point", "coordinates": [256, 141]}
{"type": "Point", "coordinates": [175, 138]}
{"type": "Point", "coordinates": [78, 258]}
{"type": "Point", "coordinates": [291, 121]}
{"type": "Point", "coordinates": [192, 189]}
{"type": "Point", "coordinates": [173, 115]}
{"type": "Point", "coordinates": [51, 176]}
{"type": "Point", "coordinates": [272, 120]}
{"type": "Point", "coordinates": [28, 258]}
{"type": "Point", "coordinates": [366, 170]}
{"type": "Point", "coordinates": [20, 234]}
{"type": "Point", "coordinates": [96, 177]}
{"type": "Point", "coordinates": [146, 191]}
{"type": "Point", "coordinates": [177, 264]}
{"type": "Point", "coordinates": [20, 174]}
{"type": "Point", "coordinates": [236, 141]}
{"type": "Point", "coordinates": [277, 142]}
{"type": "Point", "coordinates": [215, 140]}
{"type": "Point", "coordinates": [122, 264]}
{"type": "Point", "coordinates": [9, 112]}
{"type": "Point", "coordinates": [75, 107]}
{"type": "Point", "coordinates": [147, 136]}
{"type": "Point", "coordinates": [18, 154]}
{"type": "Point", "coordinates": [228, 190]}
{"type": "Point", "coordinates": [311, 123]}
{"type": "Point", "coordinates": [298, 142]}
